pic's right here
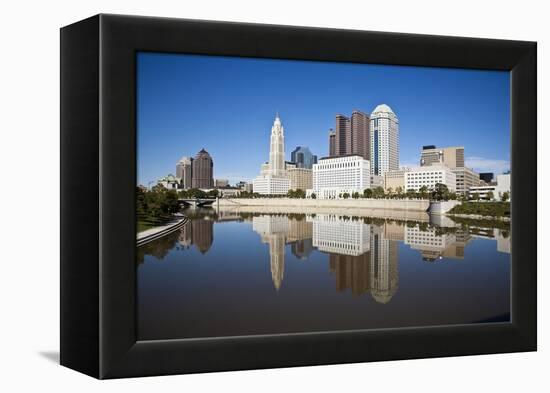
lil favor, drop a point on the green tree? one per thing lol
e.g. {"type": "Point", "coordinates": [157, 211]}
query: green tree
{"type": "Point", "coordinates": [345, 195]}
{"type": "Point", "coordinates": [355, 195]}
{"type": "Point", "coordinates": [505, 196]}
{"type": "Point", "coordinates": [490, 196]}
{"type": "Point", "coordinates": [399, 192]}
{"type": "Point", "coordinates": [440, 192]}
{"type": "Point", "coordinates": [212, 193]}
{"type": "Point", "coordinates": [411, 193]}
{"type": "Point", "coordinates": [313, 196]}
{"type": "Point", "coordinates": [423, 192]}
{"type": "Point", "coordinates": [367, 193]}
{"type": "Point", "coordinates": [378, 192]}
{"type": "Point", "coordinates": [475, 196]}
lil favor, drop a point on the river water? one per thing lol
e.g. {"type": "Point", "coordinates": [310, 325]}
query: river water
{"type": "Point", "coordinates": [232, 273]}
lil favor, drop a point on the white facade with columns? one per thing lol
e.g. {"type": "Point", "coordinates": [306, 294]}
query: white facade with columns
{"type": "Point", "coordinates": [333, 177]}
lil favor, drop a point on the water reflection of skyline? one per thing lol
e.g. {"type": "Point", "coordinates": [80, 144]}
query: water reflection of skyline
{"type": "Point", "coordinates": [363, 257]}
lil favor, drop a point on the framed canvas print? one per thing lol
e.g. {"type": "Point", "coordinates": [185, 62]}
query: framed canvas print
{"type": "Point", "coordinates": [239, 196]}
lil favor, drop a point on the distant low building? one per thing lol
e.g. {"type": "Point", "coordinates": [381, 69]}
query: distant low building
{"type": "Point", "coordinates": [271, 185]}
{"type": "Point", "coordinates": [395, 179]}
{"type": "Point", "coordinates": [248, 187]}
{"type": "Point", "coordinates": [229, 192]}
{"type": "Point", "coordinates": [300, 178]}
{"type": "Point", "coordinates": [170, 182]}
{"type": "Point", "coordinates": [429, 176]}
{"type": "Point", "coordinates": [376, 181]}
{"type": "Point", "coordinates": [487, 177]}
{"type": "Point", "coordinates": [483, 192]}
{"type": "Point", "coordinates": [503, 184]}
{"type": "Point", "coordinates": [465, 178]}
{"type": "Point", "coordinates": [244, 186]}
{"type": "Point", "coordinates": [221, 183]}
{"type": "Point", "coordinates": [498, 188]}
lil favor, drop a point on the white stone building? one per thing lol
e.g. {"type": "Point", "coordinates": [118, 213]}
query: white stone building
{"type": "Point", "coordinates": [332, 177]}
{"type": "Point", "coordinates": [429, 176]}
{"type": "Point", "coordinates": [273, 179]}
{"type": "Point", "coordinates": [502, 185]}
{"type": "Point", "coordinates": [384, 140]}
{"type": "Point", "coordinates": [271, 185]}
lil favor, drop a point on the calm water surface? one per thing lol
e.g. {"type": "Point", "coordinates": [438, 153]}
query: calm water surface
{"type": "Point", "coordinates": [230, 273]}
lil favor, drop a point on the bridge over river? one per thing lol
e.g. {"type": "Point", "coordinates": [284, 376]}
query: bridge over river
{"type": "Point", "coordinates": [197, 202]}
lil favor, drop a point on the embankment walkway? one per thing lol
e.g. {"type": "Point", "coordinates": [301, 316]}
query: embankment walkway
{"type": "Point", "coordinates": [157, 232]}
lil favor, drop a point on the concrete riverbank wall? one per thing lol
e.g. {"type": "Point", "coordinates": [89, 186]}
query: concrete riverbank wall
{"type": "Point", "coordinates": [333, 204]}
{"type": "Point", "coordinates": [352, 212]}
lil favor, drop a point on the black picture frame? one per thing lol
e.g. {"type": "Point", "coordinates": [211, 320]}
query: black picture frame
{"type": "Point", "coordinates": [98, 180]}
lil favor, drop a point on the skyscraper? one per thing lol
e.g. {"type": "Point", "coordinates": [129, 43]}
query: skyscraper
{"type": "Point", "coordinates": [352, 136]}
{"type": "Point", "coordinates": [343, 135]}
{"type": "Point", "coordinates": [277, 148]}
{"type": "Point", "coordinates": [384, 140]}
{"type": "Point", "coordinates": [331, 143]}
{"type": "Point", "coordinates": [184, 170]}
{"type": "Point", "coordinates": [203, 170]}
{"type": "Point", "coordinates": [360, 134]}
{"type": "Point", "coordinates": [273, 177]}
{"type": "Point", "coordinates": [302, 157]}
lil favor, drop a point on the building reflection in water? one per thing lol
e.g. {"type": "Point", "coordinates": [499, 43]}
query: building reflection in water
{"type": "Point", "coordinates": [362, 256]}
{"type": "Point", "coordinates": [384, 265]}
{"type": "Point", "coordinates": [197, 232]}
{"type": "Point", "coordinates": [431, 244]}
{"type": "Point", "coordinates": [273, 231]}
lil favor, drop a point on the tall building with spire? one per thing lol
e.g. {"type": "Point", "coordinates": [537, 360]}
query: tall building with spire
{"type": "Point", "coordinates": [277, 148]}
{"type": "Point", "coordinates": [273, 179]}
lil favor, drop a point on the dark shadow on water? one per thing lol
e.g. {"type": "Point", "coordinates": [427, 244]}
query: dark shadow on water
{"type": "Point", "coordinates": [52, 356]}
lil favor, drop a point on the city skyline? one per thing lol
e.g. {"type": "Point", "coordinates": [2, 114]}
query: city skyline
{"type": "Point", "coordinates": [229, 111]}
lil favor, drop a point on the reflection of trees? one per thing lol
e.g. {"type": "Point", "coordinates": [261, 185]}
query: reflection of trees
{"type": "Point", "coordinates": [196, 231]}
{"type": "Point", "coordinates": [158, 248]}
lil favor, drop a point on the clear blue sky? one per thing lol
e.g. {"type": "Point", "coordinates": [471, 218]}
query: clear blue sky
{"type": "Point", "coordinates": [227, 105]}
